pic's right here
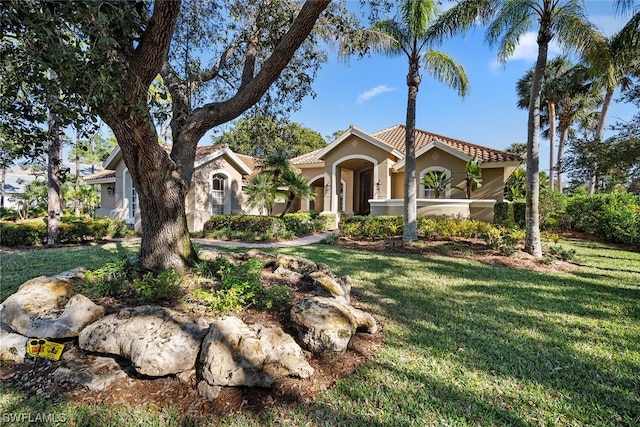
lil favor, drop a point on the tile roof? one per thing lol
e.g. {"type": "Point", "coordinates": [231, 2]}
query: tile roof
{"type": "Point", "coordinates": [306, 159]}
{"type": "Point", "coordinates": [395, 137]}
{"type": "Point", "coordinates": [101, 175]}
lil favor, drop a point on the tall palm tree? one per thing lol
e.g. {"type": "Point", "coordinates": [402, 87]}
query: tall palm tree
{"type": "Point", "coordinates": [572, 93]}
{"type": "Point", "coordinates": [562, 20]}
{"type": "Point", "coordinates": [408, 34]}
{"type": "Point", "coordinates": [612, 61]}
{"type": "Point", "coordinates": [555, 69]}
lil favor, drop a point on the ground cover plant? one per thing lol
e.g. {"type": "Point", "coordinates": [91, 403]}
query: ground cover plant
{"type": "Point", "coordinates": [468, 340]}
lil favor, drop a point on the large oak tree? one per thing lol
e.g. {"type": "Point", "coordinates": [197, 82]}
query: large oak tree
{"type": "Point", "coordinates": [110, 52]}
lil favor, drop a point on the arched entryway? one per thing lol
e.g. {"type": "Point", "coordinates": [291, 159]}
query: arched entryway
{"type": "Point", "coordinates": [358, 177]}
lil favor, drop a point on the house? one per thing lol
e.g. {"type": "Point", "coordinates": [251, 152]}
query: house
{"type": "Point", "coordinates": [363, 174]}
{"type": "Point", "coordinates": [357, 174]}
{"type": "Point", "coordinates": [218, 177]}
{"type": "Point", "coordinates": [14, 180]}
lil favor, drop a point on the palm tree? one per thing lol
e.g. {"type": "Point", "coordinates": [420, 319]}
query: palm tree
{"type": "Point", "coordinates": [612, 61]}
{"type": "Point", "coordinates": [507, 21]}
{"type": "Point", "coordinates": [262, 193]}
{"type": "Point", "coordinates": [281, 179]}
{"type": "Point", "coordinates": [438, 181]}
{"type": "Point", "coordinates": [409, 35]}
{"type": "Point", "coordinates": [568, 93]}
{"type": "Point", "coordinates": [473, 176]}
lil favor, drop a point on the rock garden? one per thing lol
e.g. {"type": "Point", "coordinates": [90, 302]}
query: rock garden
{"type": "Point", "coordinates": [188, 348]}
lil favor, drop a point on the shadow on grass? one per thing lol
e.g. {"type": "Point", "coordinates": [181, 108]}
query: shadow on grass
{"type": "Point", "coordinates": [565, 331]}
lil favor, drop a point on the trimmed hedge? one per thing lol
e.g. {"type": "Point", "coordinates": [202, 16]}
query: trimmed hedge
{"type": "Point", "coordinates": [263, 227]}
{"type": "Point", "coordinates": [387, 227]}
{"type": "Point", "coordinates": [72, 230]}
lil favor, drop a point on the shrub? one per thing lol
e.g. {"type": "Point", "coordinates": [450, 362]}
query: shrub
{"type": "Point", "coordinates": [158, 287]}
{"type": "Point", "coordinates": [614, 217]}
{"type": "Point", "coordinates": [22, 234]}
{"type": "Point", "coordinates": [552, 210]}
{"type": "Point", "coordinates": [108, 280]}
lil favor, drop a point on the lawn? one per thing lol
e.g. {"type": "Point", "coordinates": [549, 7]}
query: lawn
{"type": "Point", "coordinates": [466, 343]}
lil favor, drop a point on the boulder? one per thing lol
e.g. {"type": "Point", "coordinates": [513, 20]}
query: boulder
{"type": "Point", "coordinates": [327, 285]}
{"type": "Point", "coordinates": [45, 307]}
{"type": "Point", "coordinates": [297, 264]}
{"type": "Point", "coordinates": [325, 326]}
{"type": "Point", "coordinates": [13, 347]}
{"type": "Point", "coordinates": [156, 340]}
{"type": "Point", "coordinates": [91, 372]}
{"type": "Point", "coordinates": [236, 354]}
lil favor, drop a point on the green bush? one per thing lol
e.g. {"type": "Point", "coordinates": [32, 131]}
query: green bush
{"type": "Point", "coordinates": [253, 227]}
{"type": "Point", "coordinates": [72, 230]}
{"type": "Point", "coordinates": [153, 287]}
{"type": "Point", "coordinates": [22, 234]}
{"type": "Point", "coordinates": [552, 209]}
{"type": "Point", "coordinates": [614, 217]}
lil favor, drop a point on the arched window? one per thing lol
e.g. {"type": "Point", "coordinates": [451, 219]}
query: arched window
{"type": "Point", "coordinates": [216, 198]}
{"type": "Point", "coordinates": [440, 176]}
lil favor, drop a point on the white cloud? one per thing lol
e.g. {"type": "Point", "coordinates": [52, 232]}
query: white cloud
{"type": "Point", "coordinates": [367, 95]}
{"type": "Point", "coordinates": [527, 50]}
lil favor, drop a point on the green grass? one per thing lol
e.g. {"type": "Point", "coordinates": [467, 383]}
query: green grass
{"type": "Point", "coordinates": [469, 343]}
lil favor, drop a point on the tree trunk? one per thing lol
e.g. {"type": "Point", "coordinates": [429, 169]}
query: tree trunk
{"type": "Point", "coordinates": [551, 107]}
{"type": "Point", "coordinates": [3, 191]}
{"type": "Point", "coordinates": [564, 135]}
{"type": "Point", "coordinates": [161, 194]}
{"type": "Point", "coordinates": [533, 244]}
{"type": "Point", "coordinates": [410, 233]}
{"type": "Point", "coordinates": [53, 181]}
{"type": "Point", "coordinates": [608, 96]}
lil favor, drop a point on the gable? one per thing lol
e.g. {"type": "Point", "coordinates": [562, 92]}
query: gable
{"type": "Point", "coordinates": [348, 137]}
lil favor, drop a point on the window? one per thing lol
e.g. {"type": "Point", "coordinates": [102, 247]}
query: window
{"type": "Point", "coordinates": [217, 194]}
{"type": "Point", "coordinates": [440, 183]}
{"type": "Point", "coordinates": [135, 208]}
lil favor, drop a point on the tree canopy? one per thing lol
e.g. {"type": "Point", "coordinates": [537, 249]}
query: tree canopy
{"type": "Point", "coordinates": [264, 136]}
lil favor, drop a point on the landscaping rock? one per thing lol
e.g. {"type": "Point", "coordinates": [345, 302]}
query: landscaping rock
{"type": "Point", "coordinates": [327, 285]}
{"type": "Point", "coordinates": [294, 263]}
{"type": "Point", "coordinates": [13, 347]}
{"type": "Point", "coordinates": [326, 325]}
{"type": "Point", "coordinates": [158, 341]}
{"type": "Point", "coordinates": [94, 373]}
{"type": "Point", "coordinates": [236, 354]}
{"type": "Point", "coordinates": [45, 307]}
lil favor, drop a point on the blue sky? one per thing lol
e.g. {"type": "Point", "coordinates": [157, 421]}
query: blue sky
{"type": "Point", "coordinates": [371, 93]}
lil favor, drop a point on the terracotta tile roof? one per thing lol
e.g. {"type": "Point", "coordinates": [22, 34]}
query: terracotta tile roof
{"type": "Point", "coordinates": [306, 159]}
{"type": "Point", "coordinates": [101, 175]}
{"type": "Point", "coordinates": [395, 137]}
{"type": "Point", "coordinates": [206, 150]}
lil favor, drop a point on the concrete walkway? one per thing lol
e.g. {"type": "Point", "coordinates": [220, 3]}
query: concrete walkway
{"type": "Point", "coordinates": [300, 241]}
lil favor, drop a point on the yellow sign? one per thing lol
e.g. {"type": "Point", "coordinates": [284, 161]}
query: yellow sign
{"type": "Point", "coordinates": [38, 347]}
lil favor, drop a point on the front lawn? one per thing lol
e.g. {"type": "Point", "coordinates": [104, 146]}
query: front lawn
{"type": "Point", "coordinates": [466, 343]}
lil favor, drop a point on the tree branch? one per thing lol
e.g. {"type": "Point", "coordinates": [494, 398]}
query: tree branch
{"type": "Point", "coordinates": [148, 57]}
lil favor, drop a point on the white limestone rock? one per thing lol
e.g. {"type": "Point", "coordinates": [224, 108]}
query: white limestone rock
{"type": "Point", "coordinates": [45, 307]}
{"type": "Point", "coordinates": [326, 325]}
{"type": "Point", "coordinates": [236, 354]}
{"type": "Point", "coordinates": [156, 340]}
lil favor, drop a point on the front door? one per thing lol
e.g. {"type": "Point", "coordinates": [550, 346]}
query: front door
{"type": "Point", "coordinates": [366, 192]}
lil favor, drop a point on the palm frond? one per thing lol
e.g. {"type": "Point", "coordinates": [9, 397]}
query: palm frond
{"type": "Point", "coordinates": [444, 69]}
{"type": "Point", "coordinates": [418, 14]}
{"type": "Point", "coordinates": [460, 18]}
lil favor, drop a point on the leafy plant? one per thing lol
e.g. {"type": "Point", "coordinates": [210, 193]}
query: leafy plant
{"type": "Point", "coordinates": [108, 280]}
{"type": "Point", "coordinates": [158, 287]}
{"type": "Point", "coordinates": [438, 181]}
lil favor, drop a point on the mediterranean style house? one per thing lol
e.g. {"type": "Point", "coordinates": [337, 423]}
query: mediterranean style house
{"type": "Point", "coordinates": [359, 173]}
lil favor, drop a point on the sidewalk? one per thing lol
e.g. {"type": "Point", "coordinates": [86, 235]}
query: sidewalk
{"type": "Point", "coordinates": [300, 241]}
